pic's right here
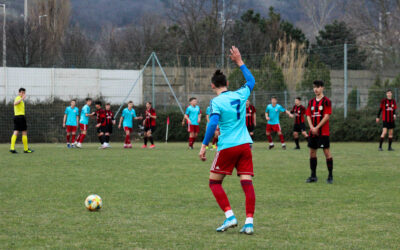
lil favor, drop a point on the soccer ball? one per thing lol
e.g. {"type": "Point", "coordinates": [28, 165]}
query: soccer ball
{"type": "Point", "coordinates": [93, 202]}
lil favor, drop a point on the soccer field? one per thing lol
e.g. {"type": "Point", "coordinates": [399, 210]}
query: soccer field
{"type": "Point", "coordinates": [160, 199]}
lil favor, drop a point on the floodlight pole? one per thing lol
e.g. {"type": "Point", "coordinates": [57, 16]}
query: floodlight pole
{"type": "Point", "coordinates": [345, 80]}
{"type": "Point", "coordinates": [153, 61]}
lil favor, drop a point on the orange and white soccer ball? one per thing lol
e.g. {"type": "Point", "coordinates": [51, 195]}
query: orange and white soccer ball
{"type": "Point", "coordinates": [93, 202]}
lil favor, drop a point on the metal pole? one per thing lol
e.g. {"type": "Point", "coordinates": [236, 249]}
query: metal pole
{"type": "Point", "coordinates": [26, 31]}
{"type": "Point", "coordinates": [223, 34]}
{"type": "Point", "coordinates": [358, 99]}
{"type": "Point", "coordinates": [169, 84]}
{"type": "Point", "coordinates": [40, 37]}
{"type": "Point", "coordinates": [4, 36]}
{"type": "Point", "coordinates": [153, 61]}
{"type": "Point", "coordinates": [345, 80]}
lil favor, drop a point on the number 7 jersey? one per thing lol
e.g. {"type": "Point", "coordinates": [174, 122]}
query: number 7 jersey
{"type": "Point", "coordinates": [231, 107]}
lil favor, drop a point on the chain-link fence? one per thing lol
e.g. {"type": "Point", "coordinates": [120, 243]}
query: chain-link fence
{"type": "Point", "coordinates": [284, 74]}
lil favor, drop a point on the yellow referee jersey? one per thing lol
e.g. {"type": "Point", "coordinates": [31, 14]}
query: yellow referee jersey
{"type": "Point", "coordinates": [20, 108]}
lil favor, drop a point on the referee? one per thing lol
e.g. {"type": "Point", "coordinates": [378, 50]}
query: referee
{"type": "Point", "coordinates": [20, 122]}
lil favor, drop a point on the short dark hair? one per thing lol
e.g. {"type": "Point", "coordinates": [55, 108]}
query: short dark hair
{"type": "Point", "coordinates": [219, 79]}
{"type": "Point", "coordinates": [73, 100]}
{"type": "Point", "coordinates": [318, 83]}
{"type": "Point", "coordinates": [192, 98]}
{"type": "Point", "coordinates": [274, 97]}
{"type": "Point", "coordinates": [298, 98]}
{"type": "Point", "coordinates": [389, 90]}
{"type": "Point", "coordinates": [108, 103]}
{"type": "Point", "coordinates": [98, 103]}
{"type": "Point", "coordinates": [130, 102]}
{"type": "Point", "coordinates": [88, 99]}
{"type": "Point", "coordinates": [150, 103]}
{"type": "Point", "coordinates": [21, 89]}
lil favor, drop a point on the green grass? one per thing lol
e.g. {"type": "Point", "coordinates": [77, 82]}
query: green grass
{"type": "Point", "coordinates": [161, 199]}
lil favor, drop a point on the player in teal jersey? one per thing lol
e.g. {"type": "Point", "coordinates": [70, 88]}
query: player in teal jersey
{"type": "Point", "coordinates": [216, 134]}
{"type": "Point", "coordinates": [126, 120]}
{"type": "Point", "coordinates": [193, 118]}
{"type": "Point", "coordinates": [228, 111]}
{"type": "Point", "coordinates": [84, 122]}
{"type": "Point", "coordinates": [70, 122]}
{"type": "Point", "coordinates": [272, 116]}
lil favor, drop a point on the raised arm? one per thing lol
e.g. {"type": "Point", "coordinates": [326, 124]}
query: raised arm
{"type": "Point", "coordinates": [237, 58]}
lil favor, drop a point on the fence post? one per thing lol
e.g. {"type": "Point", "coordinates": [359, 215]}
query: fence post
{"type": "Point", "coordinates": [5, 84]}
{"type": "Point", "coordinates": [345, 80]}
{"type": "Point", "coordinates": [153, 72]}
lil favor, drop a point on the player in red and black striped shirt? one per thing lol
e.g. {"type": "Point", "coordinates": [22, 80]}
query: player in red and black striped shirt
{"type": "Point", "coordinates": [388, 109]}
{"type": "Point", "coordinates": [251, 120]}
{"type": "Point", "coordinates": [110, 121]}
{"type": "Point", "coordinates": [149, 124]}
{"type": "Point", "coordinates": [298, 111]}
{"type": "Point", "coordinates": [318, 111]}
{"type": "Point", "coordinates": [101, 124]}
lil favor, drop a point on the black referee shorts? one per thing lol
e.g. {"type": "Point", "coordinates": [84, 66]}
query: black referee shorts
{"type": "Point", "coordinates": [20, 123]}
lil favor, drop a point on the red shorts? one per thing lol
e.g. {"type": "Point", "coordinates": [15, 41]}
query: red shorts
{"type": "Point", "coordinates": [238, 157]}
{"type": "Point", "coordinates": [83, 127]}
{"type": "Point", "coordinates": [128, 129]}
{"type": "Point", "coordinates": [194, 128]}
{"type": "Point", "coordinates": [71, 129]}
{"type": "Point", "coordinates": [273, 128]}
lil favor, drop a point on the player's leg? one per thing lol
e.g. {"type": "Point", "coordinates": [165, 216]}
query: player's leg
{"type": "Point", "coordinates": [127, 141]}
{"type": "Point", "coordinates": [68, 136]}
{"type": "Point", "coordinates": [279, 131]}
{"type": "Point", "coordinates": [145, 138]}
{"type": "Point", "coordinates": [313, 162]}
{"type": "Point", "coordinates": [390, 139]}
{"type": "Point", "coordinates": [107, 138]}
{"type": "Point", "coordinates": [150, 136]}
{"type": "Point", "coordinates": [73, 133]}
{"type": "Point", "coordinates": [384, 132]}
{"type": "Point", "coordinates": [191, 138]}
{"type": "Point", "coordinates": [268, 133]}
{"type": "Point", "coordinates": [329, 165]}
{"type": "Point", "coordinates": [223, 164]}
{"type": "Point", "coordinates": [296, 139]}
{"type": "Point", "coordinates": [195, 134]}
{"type": "Point", "coordinates": [13, 141]}
{"type": "Point", "coordinates": [25, 142]}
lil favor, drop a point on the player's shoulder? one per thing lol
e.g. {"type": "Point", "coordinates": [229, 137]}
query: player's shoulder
{"type": "Point", "coordinates": [327, 100]}
{"type": "Point", "coordinates": [17, 98]}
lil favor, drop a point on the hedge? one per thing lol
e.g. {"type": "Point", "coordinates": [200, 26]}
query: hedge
{"type": "Point", "coordinates": [45, 125]}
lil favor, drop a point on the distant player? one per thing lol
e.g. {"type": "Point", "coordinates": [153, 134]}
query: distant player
{"type": "Point", "coordinates": [388, 109]}
{"type": "Point", "coordinates": [110, 121]}
{"type": "Point", "coordinates": [216, 134]}
{"type": "Point", "coordinates": [84, 122]}
{"type": "Point", "coordinates": [20, 122]}
{"type": "Point", "coordinates": [149, 125]}
{"type": "Point", "coordinates": [272, 115]}
{"type": "Point", "coordinates": [101, 125]}
{"type": "Point", "coordinates": [126, 120]}
{"type": "Point", "coordinates": [318, 112]}
{"type": "Point", "coordinates": [251, 118]}
{"type": "Point", "coordinates": [193, 118]}
{"type": "Point", "coordinates": [70, 122]}
{"type": "Point", "coordinates": [228, 110]}
{"type": "Point", "coordinates": [298, 111]}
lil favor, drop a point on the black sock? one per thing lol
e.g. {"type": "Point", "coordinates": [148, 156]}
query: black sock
{"type": "Point", "coordinates": [296, 140]}
{"type": "Point", "coordinates": [101, 139]}
{"type": "Point", "coordinates": [381, 141]}
{"type": "Point", "coordinates": [329, 165]}
{"type": "Point", "coordinates": [145, 141]}
{"type": "Point", "coordinates": [107, 138]}
{"type": "Point", "coordinates": [390, 142]}
{"type": "Point", "coordinates": [313, 167]}
{"type": "Point", "coordinates": [151, 140]}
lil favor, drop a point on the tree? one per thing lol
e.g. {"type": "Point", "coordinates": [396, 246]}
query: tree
{"type": "Point", "coordinates": [329, 47]}
{"type": "Point", "coordinates": [315, 70]}
{"type": "Point", "coordinates": [77, 49]}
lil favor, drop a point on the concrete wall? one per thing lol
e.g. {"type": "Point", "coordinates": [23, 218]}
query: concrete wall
{"type": "Point", "coordinates": [45, 84]}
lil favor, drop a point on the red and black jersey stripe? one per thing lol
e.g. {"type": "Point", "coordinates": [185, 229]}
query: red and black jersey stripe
{"type": "Point", "coordinates": [299, 112]}
{"type": "Point", "coordinates": [316, 110]}
{"type": "Point", "coordinates": [150, 122]}
{"type": "Point", "coordinates": [388, 108]}
{"type": "Point", "coordinates": [101, 117]}
{"type": "Point", "coordinates": [109, 117]}
{"type": "Point", "coordinates": [250, 112]}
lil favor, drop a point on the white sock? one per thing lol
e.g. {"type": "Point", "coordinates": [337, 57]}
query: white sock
{"type": "Point", "coordinates": [283, 144]}
{"type": "Point", "coordinates": [249, 220]}
{"type": "Point", "coordinates": [228, 213]}
{"type": "Point", "coordinates": [271, 144]}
